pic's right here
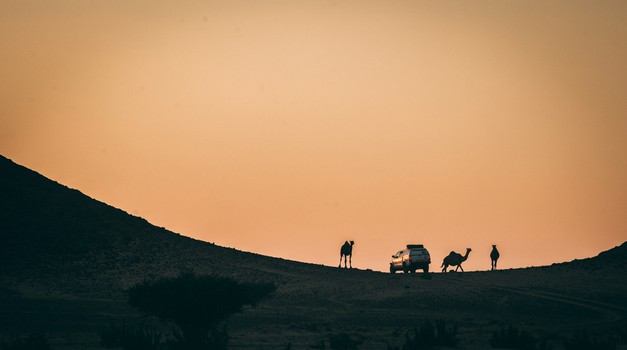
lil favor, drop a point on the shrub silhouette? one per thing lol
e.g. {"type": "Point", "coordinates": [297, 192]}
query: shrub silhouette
{"type": "Point", "coordinates": [512, 338]}
{"type": "Point", "coordinates": [581, 340]}
{"type": "Point", "coordinates": [32, 342]}
{"type": "Point", "coordinates": [428, 336]}
{"type": "Point", "coordinates": [218, 339]}
{"type": "Point", "coordinates": [343, 341]}
{"type": "Point", "coordinates": [320, 345]}
{"type": "Point", "coordinates": [129, 338]}
{"type": "Point", "coordinates": [197, 304]}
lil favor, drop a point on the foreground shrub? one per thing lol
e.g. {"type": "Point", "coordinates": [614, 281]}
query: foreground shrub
{"type": "Point", "coordinates": [512, 338]}
{"type": "Point", "coordinates": [581, 341]}
{"type": "Point", "coordinates": [129, 338]}
{"type": "Point", "coordinates": [32, 342]}
{"type": "Point", "coordinates": [319, 345]}
{"type": "Point", "coordinates": [343, 341]}
{"type": "Point", "coordinates": [427, 336]}
{"type": "Point", "coordinates": [197, 304]}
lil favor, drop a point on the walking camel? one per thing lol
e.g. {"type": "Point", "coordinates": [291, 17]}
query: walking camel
{"type": "Point", "coordinates": [346, 252]}
{"type": "Point", "coordinates": [455, 259]}
{"type": "Point", "coordinates": [494, 256]}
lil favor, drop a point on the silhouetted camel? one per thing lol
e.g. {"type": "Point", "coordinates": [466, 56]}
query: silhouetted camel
{"type": "Point", "coordinates": [347, 251]}
{"type": "Point", "coordinates": [494, 256]}
{"type": "Point", "coordinates": [455, 259]}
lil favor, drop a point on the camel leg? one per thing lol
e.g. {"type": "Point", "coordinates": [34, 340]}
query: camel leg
{"type": "Point", "coordinates": [350, 260]}
{"type": "Point", "coordinates": [495, 261]}
{"type": "Point", "coordinates": [340, 265]}
{"type": "Point", "coordinates": [460, 266]}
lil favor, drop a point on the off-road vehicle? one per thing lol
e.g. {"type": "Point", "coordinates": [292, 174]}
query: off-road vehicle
{"type": "Point", "coordinates": [415, 257]}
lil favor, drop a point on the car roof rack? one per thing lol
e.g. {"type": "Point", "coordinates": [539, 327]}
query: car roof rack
{"type": "Point", "coordinates": [412, 246]}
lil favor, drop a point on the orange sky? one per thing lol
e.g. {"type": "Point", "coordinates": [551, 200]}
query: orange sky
{"type": "Point", "coordinates": [287, 127]}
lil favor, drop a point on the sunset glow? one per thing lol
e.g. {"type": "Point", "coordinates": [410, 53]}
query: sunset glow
{"type": "Point", "coordinates": [287, 127]}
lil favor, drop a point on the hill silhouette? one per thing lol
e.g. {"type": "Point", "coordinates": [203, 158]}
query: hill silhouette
{"type": "Point", "coordinates": [67, 261]}
{"type": "Point", "coordinates": [612, 258]}
{"type": "Point", "coordinates": [45, 218]}
{"type": "Point", "coordinates": [616, 255]}
{"type": "Point", "coordinates": [47, 229]}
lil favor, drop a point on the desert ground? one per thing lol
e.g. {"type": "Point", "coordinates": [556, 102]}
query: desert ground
{"type": "Point", "coordinates": [67, 261]}
{"type": "Point", "coordinates": [314, 302]}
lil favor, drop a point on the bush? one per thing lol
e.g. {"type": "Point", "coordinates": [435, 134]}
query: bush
{"type": "Point", "coordinates": [32, 342]}
{"type": "Point", "coordinates": [581, 341]}
{"type": "Point", "coordinates": [320, 345]}
{"type": "Point", "coordinates": [197, 304]}
{"type": "Point", "coordinates": [343, 341]}
{"type": "Point", "coordinates": [512, 338]}
{"type": "Point", "coordinates": [130, 338]}
{"type": "Point", "coordinates": [427, 336]}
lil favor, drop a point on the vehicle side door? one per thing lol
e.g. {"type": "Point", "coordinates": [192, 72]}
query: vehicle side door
{"type": "Point", "coordinates": [406, 255]}
{"type": "Point", "coordinates": [397, 259]}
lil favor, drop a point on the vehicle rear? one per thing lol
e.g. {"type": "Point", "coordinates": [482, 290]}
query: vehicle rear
{"type": "Point", "coordinates": [419, 258]}
{"type": "Point", "coordinates": [415, 257]}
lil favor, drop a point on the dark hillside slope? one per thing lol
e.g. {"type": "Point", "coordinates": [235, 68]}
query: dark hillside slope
{"type": "Point", "coordinates": [616, 255]}
{"type": "Point", "coordinates": [54, 238]}
{"type": "Point", "coordinates": [67, 259]}
{"type": "Point", "coordinates": [611, 259]}
{"type": "Point", "coordinates": [47, 219]}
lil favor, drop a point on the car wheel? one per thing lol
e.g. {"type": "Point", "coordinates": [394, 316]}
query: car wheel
{"type": "Point", "coordinates": [426, 269]}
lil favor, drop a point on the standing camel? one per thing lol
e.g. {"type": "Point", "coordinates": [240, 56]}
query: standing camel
{"type": "Point", "coordinates": [347, 251]}
{"type": "Point", "coordinates": [455, 259]}
{"type": "Point", "coordinates": [494, 256]}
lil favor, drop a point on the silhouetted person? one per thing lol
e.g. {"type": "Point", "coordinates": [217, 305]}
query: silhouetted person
{"type": "Point", "coordinates": [347, 251]}
{"type": "Point", "coordinates": [494, 256]}
{"type": "Point", "coordinates": [455, 259]}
